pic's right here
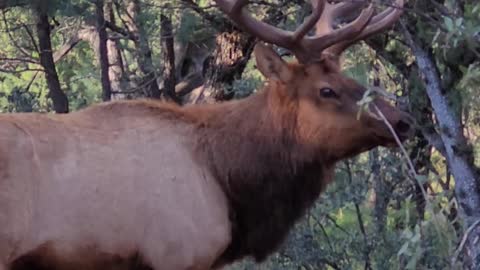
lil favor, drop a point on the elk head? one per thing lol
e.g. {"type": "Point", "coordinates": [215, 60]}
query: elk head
{"type": "Point", "coordinates": [326, 101]}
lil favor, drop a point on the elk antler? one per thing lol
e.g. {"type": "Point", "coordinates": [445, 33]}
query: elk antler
{"type": "Point", "coordinates": [323, 16]}
{"type": "Point", "coordinates": [377, 24]}
{"type": "Point", "coordinates": [304, 47]}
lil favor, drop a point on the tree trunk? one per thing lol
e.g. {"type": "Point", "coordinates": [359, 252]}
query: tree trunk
{"type": "Point", "coordinates": [58, 97]}
{"type": "Point", "coordinates": [458, 153]}
{"type": "Point", "coordinates": [116, 72]}
{"type": "Point", "coordinates": [102, 49]}
{"type": "Point", "coordinates": [168, 52]}
{"type": "Point", "coordinates": [233, 49]}
{"type": "Point", "coordinates": [144, 57]}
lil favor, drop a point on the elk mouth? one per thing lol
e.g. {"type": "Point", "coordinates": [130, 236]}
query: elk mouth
{"type": "Point", "coordinates": [403, 129]}
{"type": "Point", "coordinates": [384, 136]}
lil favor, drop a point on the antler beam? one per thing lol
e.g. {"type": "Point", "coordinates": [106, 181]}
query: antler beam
{"type": "Point", "coordinates": [377, 24]}
{"type": "Point", "coordinates": [323, 17]}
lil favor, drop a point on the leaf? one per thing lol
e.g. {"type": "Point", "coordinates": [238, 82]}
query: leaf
{"type": "Point", "coordinates": [449, 24]}
{"type": "Point", "coordinates": [412, 263]}
{"type": "Point", "coordinates": [476, 9]}
{"type": "Point", "coordinates": [416, 237]}
{"type": "Point", "coordinates": [403, 249]}
{"type": "Point", "coordinates": [421, 179]}
{"type": "Point", "coordinates": [458, 22]}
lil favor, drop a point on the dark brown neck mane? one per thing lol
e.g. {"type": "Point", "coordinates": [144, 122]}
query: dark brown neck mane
{"type": "Point", "coordinates": [270, 178]}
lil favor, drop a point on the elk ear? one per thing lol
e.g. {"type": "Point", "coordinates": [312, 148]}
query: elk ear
{"type": "Point", "coordinates": [270, 64]}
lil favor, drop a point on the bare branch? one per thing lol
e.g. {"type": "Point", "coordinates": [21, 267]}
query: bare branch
{"type": "Point", "coordinates": [12, 39]}
{"type": "Point", "coordinates": [465, 237]}
{"type": "Point", "coordinates": [19, 60]}
{"type": "Point", "coordinates": [30, 35]}
{"type": "Point", "coordinates": [434, 139]}
{"type": "Point", "coordinates": [123, 31]}
{"type": "Point", "coordinates": [21, 70]}
{"type": "Point", "coordinates": [201, 11]}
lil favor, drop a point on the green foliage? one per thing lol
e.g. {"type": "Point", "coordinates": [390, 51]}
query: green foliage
{"type": "Point", "coordinates": [193, 29]}
{"type": "Point", "coordinates": [373, 212]}
{"type": "Point", "coordinates": [72, 8]}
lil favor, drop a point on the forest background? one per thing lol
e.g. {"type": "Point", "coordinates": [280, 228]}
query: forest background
{"type": "Point", "coordinates": [61, 56]}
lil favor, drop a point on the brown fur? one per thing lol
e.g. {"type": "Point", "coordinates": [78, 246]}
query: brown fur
{"type": "Point", "coordinates": [269, 176]}
{"type": "Point", "coordinates": [271, 154]}
{"type": "Point", "coordinates": [45, 257]}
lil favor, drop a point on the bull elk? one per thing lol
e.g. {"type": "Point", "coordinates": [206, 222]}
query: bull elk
{"type": "Point", "coordinates": [150, 185]}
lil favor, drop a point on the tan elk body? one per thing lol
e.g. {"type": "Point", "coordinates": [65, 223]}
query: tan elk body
{"type": "Point", "coordinates": [149, 185]}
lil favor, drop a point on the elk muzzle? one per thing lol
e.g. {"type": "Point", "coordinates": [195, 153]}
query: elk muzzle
{"type": "Point", "coordinates": [392, 119]}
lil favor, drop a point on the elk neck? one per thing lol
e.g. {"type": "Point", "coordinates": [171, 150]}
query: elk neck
{"type": "Point", "coordinates": [270, 178]}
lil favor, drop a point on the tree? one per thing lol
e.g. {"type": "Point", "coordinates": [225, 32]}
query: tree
{"type": "Point", "coordinates": [169, 81]}
{"type": "Point", "coordinates": [59, 99]}
{"type": "Point", "coordinates": [103, 50]}
{"type": "Point", "coordinates": [136, 26]}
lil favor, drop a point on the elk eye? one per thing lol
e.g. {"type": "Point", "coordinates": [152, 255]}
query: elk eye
{"type": "Point", "coordinates": [328, 93]}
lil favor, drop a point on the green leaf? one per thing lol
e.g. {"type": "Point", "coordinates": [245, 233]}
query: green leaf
{"type": "Point", "coordinates": [449, 24]}
{"type": "Point", "coordinates": [421, 179]}
{"type": "Point", "coordinates": [403, 249]}
{"type": "Point", "coordinates": [458, 22]}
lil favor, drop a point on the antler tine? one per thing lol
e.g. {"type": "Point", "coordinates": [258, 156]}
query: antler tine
{"type": "Point", "coordinates": [317, 9]}
{"type": "Point", "coordinates": [333, 12]}
{"type": "Point", "coordinates": [377, 24]}
{"type": "Point", "coordinates": [268, 33]}
{"type": "Point", "coordinates": [384, 20]}
{"type": "Point", "coordinates": [235, 10]}
{"type": "Point", "coordinates": [342, 10]}
{"type": "Point", "coordinates": [326, 36]}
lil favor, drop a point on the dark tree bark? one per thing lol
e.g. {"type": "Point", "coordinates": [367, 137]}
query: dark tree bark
{"type": "Point", "coordinates": [168, 52]}
{"type": "Point", "coordinates": [233, 49]}
{"type": "Point", "coordinates": [116, 71]}
{"type": "Point", "coordinates": [102, 48]}
{"type": "Point", "coordinates": [58, 97]}
{"type": "Point", "coordinates": [144, 57]}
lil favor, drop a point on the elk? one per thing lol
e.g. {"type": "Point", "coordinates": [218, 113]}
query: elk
{"type": "Point", "coordinates": [150, 185]}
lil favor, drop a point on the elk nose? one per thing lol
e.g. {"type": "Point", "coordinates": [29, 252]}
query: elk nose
{"type": "Point", "coordinates": [404, 126]}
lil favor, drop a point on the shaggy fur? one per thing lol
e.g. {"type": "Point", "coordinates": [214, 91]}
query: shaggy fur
{"type": "Point", "coordinates": [270, 178]}
{"type": "Point", "coordinates": [267, 157]}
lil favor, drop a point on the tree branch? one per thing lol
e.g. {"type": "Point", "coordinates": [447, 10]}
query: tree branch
{"type": "Point", "coordinates": [12, 39]}
{"type": "Point", "coordinates": [30, 35]}
{"type": "Point", "coordinates": [123, 31]}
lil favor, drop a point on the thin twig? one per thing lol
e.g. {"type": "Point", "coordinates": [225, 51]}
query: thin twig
{"type": "Point", "coordinates": [464, 240]}
{"type": "Point", "coordinates": [337, 225]}
{"type": "Point", "coordinates": [402, 148]}
{"type": "Point", "coordinates": [12, 39]}
{"type": "Point", "coordinates": [20, 60]}
{"type": "Point", "coordinates": [360, 222]}
{"type": "Point", "coordinates": [20, 70]}
{"type": "Point", "coordinates": [30, 35]}
{"type": "Point", "coordinates": [409, 162]}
